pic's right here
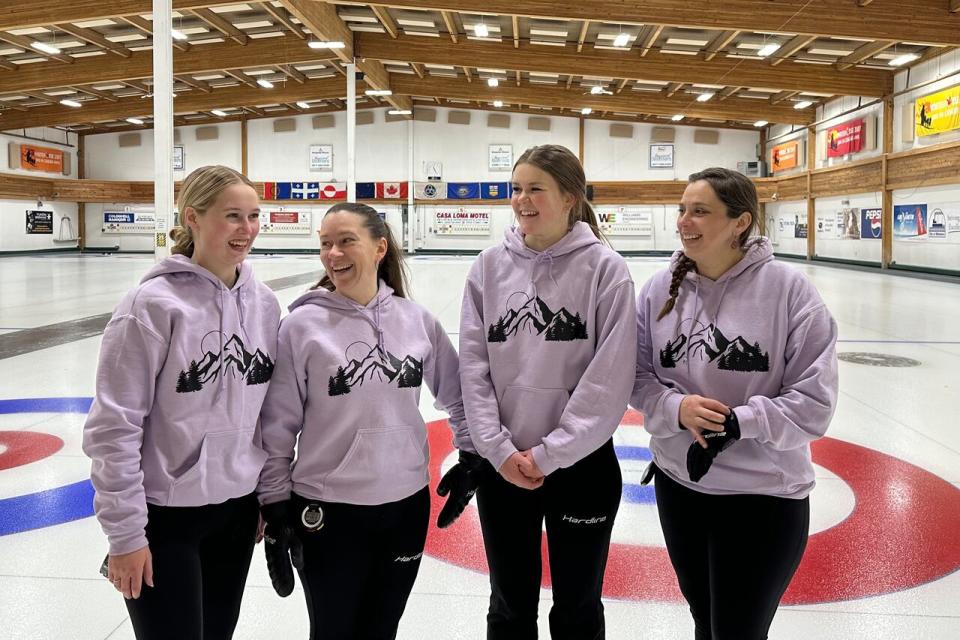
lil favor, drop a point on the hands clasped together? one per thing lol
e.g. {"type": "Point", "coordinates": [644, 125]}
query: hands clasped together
{"type": "Point", "coordinates": [522, 470]}
{"type": "Point", "coordinates": [714, 426]}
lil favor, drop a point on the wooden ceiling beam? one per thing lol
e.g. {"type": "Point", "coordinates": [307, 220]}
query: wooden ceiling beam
{"type": "Point", "coordinates": [863, 52]}
{"type": "Point", "coordinates": [793, 45]}
{"type": "Point", "coordinates": [719, 43]}
{"type": "Point", "coordinates": [558, 97]}
{"type": "Point", "coordinates": [583, 35]}
{"type": "Point", "coordinates": [417, 69]}
{"type": "Point", "coordinates": [103, 95]}
{"type": "Point", "coordinates": [280, 15]}
{"type": "Point", "coordinates": [323, 22]}
{"type": "Point", "coordinates": [515, 23]}
{"type": "Point", "coordinates": [227, 97]}
{"type": "Point", "coordinates": [24, 43]}
{"type": "Point", "coordinates": [242, 78]}
{"type": "Point", "coordinates": [292, 72]}
{"type": "Point", "coordinates": [200, 85]}
{"type": "Point", "coordinates": [222, 25]}
{"type": "Point", "coordinates": [451, 25]}
{"type": "Point", "coordinates": [206, 58]}
{"type": "Point", "coordinates": [782, 96]}
{"type": "Point", "coordinates": [389, 24]}
{"type": "Point", "coordinates": [650, 37]}
{"type": "Point", "coordinates": [672, 88]}
{"type": "Point", "coordinates": [655, 66]}
{"type": "Point", "coordinates": [728, 92]}
{"type": "Point", "coordinates": [94, 38]}
{"type": "Point", "coordinates": [146, 28]}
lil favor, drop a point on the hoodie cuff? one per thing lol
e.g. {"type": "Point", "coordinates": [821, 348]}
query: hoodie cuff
{"type": "Point", "coordinates": [127, 544]}
{"type": "Point", "coordinates": [547, 466]}
{"type": "Point", "coordinates": [500, 454]}
{"type": "Point", "coordinates": [671, 412]}
{"type": "Point", "coordinates": [749, 421]}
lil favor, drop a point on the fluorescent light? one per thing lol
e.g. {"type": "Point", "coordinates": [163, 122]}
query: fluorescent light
{"type": "Point", "coordinates": [493, 82]}
{"type": "Point", "coordinates": [134, 120]}
{"type": "Point", "coordinates": [303, 105]}
{"type": "Point", "coordinates": [177, 35]}
{"type": "Point", "coordinates": [904, 59]}
{"type": "Point", "coordinates": [621, 40]}
{"type": "Point", "coordinates": [266, 84]}
{"type": "Point", "coordinates": [70, 103]}
{"type": "Point", "coordinates": [399, 112]}
{"type": "Point", "coordinates": [43, 46]}
{"type": "Point", "coordinates": [596, 90]}
{"type": "Point", "coordinates": [803, 104]}
{"type": "Point", "coordinates": [677, 118]}
{"type": "Point", "coordinates": [760, 123]}
{"type": "Point", "coordinates": [481, 30]}
{"type": "Point", "coordinates": [586, 111]}
{"type": "Point", "coordinates": [218, 112]}
{"type": "Point", "coordinates": [703, 97]}
{"type": "Point", "coordinates": [325, 44]}
{"type": "Point", "coordinates": [498, 103]}
{"type": "Point", "coordinates": [378, 92]}
{"type": "Point", "coordinates": [766, 50]}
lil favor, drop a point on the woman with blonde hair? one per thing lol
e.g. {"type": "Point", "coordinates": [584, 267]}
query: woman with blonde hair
{"type": "Point", "coordinates": [173, 429]}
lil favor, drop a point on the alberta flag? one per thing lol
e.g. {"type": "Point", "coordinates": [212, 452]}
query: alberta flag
{"type": "Point", "coordinates": [463, 190]}
{"type": "Point", "coordinates": [366, 190]}
{"type": "Point", "coordinates": [392, 189]}
{"type": "Point", "coordinates": [494, 190]}
{"type": "Point", "coordinates": [430, 190]}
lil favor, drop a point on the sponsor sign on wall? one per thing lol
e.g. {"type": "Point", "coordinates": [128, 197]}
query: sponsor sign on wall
{"type": "Point", "coordinates": [33, 158]}
{"type": "Point", "coordinates": [849, 137]}
{"type": "Point", "coordinates": [784, 156]}
{"type": "Point", "coordinates": [910, 220]}
{"type": "Point", "coordinates": [937, 112]}
{"type": "Point", "coordinates": [871, 225]}
{"type": "Point", "coordinates": [461, 221]}
{"type": "Point", "coordinates": [39, 222]}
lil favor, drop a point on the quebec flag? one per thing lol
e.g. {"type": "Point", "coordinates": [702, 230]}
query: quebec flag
{"type": "Point", "coordinates": [298, 191]}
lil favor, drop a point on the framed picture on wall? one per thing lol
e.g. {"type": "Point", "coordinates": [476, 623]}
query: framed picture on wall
{"type": "Point", "coordinates": [321, 157]}
{"type": "Point", "coordinates": [178, 157]}
{"type": "Point", "coordinates": [500, 157]}
{"type": "Point", "coordinates": [661, 156]}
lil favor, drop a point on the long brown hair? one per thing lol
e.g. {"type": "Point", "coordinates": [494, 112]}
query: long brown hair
{"type": "Point", "coordinates": [392, 269]}
{"type": "Point", "coordinates": [199, 191]}
{"type": "Point", "coordinates": [738, 194]}
{"type": "Point", "coordinates": [566, 169]}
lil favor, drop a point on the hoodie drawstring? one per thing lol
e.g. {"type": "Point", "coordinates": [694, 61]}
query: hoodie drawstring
{"type": "Point", "coordinates": [544, 256]}
{"type": "Point", "coordinates": [380, 341]}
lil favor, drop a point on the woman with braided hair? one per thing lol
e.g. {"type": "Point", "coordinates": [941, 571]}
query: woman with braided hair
{"type": "Point", "coordinates": [736, 375]}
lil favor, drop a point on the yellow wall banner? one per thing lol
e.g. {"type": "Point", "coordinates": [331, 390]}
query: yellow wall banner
{"type": "Point", "coordinates": [938, 112]}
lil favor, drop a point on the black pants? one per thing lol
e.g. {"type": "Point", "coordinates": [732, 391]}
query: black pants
{"type": "Point", "coordinates": [359, 568]}
{"type": "Point", "coordinates": [734, 555]}
{"type": "Point", "coordinates": [200, 560]}
{"type": "Point", "coordinates": [579, 504]}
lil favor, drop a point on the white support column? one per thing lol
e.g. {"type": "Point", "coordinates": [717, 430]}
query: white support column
{"type": "Point", "coordinates": [351, 132]}
{"type": "Point", "coordinates": [411, 208]}
{"type": "Point", "coordinates": [162, 126]}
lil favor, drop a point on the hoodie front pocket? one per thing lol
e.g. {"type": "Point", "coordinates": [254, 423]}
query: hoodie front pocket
{"type": "Point", "coordinates": [380, 453]}
{"type": "Point", "coordinates": [228, 466]}
{"type": "Point", "coordinates": [531, 413]}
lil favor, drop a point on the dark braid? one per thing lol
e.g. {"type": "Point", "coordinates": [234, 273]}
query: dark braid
{"type": "Point", "coordinates": [684, 265]}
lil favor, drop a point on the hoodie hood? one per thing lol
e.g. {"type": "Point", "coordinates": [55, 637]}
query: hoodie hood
{"type": "Point", "coordinates": [370, 312]}
{"type": "Point", "coordinates": [756, 251]}
{"type": "Point", "coordinates": [578, 237]}
{"type": "Point", "coordinates": [183, 264]}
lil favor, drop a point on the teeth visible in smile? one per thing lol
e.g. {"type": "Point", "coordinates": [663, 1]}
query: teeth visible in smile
{"type": "Point", "coordinates": [529, 213]}
{"type": "Point", "coordinates": [341, 269]}
{"type": "Point", "coordinates": [238, 244]}
{"type": "Point", "coordinates": [688, 236]}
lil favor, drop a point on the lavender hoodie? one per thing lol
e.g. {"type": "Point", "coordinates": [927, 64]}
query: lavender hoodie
{"type": "Point", "coordinates": [760, 340]}
{"type": "Point", "coordinates": [184, 367]}
{"type": "Point", "coordinates": [547, 342]}
{"type": "Point", "coordinates": [347, 384]}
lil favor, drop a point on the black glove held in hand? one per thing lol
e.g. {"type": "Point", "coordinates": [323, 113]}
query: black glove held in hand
{"type": "Point", "coordinates": [461, 482]}
{"type": "Point", "coordinates": [700, 459]}
{"type": "Point", "coordinates": [282, 545]}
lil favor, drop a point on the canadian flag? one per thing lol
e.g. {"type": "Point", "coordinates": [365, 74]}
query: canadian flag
{"type": "Point", "coordinates": [333, 191]}
{"type": "Point", "coordinates": [392, 189]}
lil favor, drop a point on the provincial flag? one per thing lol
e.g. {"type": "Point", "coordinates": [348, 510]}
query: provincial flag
{"type": "Point", "coordinates": [494, 190]}
{"type": "Point", "coordinates": [366, 190]}
{"type": "Point", "coordinates": [463, 190]}
{"type": "Point", "coordinates": [392, 189]}
{"type": "Point", "coordinates": [430, 190]}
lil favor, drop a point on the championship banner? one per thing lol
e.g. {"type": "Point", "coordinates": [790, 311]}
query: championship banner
{"type": "Point", "coordinates": [430, 190]}
{"type": "Point", "coordinates": [871, 226]}
{"type": "Point", "coordinates": [937, 112]}
{"type": "Point", "coordinates": [304, 191]}
{"type": "Point", "coordinates": [784, 156]}
{"type": "Point", "coordinates": [910, 220]}
{"type": "Point", "coordinates": [849, 137]}
{"type": "Point", "coordinates": [463, 190]}
{"type": "Point", "coordinates": [41, 159]}
{"type": "Point", "coordinates": [494, 190]}
{"type": "Point", "coordinates": [366, 190]}
{"type": "Point", "coordinates": [392, 189]}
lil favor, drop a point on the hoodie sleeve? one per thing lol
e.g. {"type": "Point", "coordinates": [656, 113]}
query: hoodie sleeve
{"type": "Point", "coordinates": [599, 401]}
{"type": "Point", "coordinates": [131, 357]}
{"type": "Point", "coordinates": [802, 411]}
{"type": "Point", "coordinates": [659, 404]}
{"type": "Point", "coordinates": [281, 419]}
{"type": "Point", "coordinates": [492, 439]}
{"type": "Point", "coordinates": [443, 379]}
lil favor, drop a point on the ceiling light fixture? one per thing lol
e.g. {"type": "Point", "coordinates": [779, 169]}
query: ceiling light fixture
{"type": "Point", "coordinates": [904, 59]}
{"type": "Point", "coordinates": [596, 90]}
{"type": "Point", "coordinates": [586, 111]}
{"type": "Point", "coordinates": [399, 112]}
{"type": "Point", "coordinates": [303, 105]}
{"type": "Point", "coordinates": [177, 35]}
{"type": "Point", "coordinates": [70, 103]}
{"type": "Point", "coordinates": [768, 49]}
{"type": "Point", "coordinates": [803, 104]}
{"type": "Point", "coordinates": [378, 92]}
{"type": "Point", "coordinates": [493, 82]}
{"type": "Point", "coordinates": [266, 84]}
{"type": "Point", "coordinates": [44, 47]}
{"type": "Point", "coordinates": [498, 103]}
{"type": "Point", "coordinates": [677, 118]}
{"type": "Point", "coordinates": [704, 97]}
{"type": "Point", "coordinates": [621, 40]}
{"type": "Point", "coordinates": [481, 30]}
{"type": "Point", "coordinates": [760, 123]}
{"type": "Point", "coordinates": [218, 112]}
{"type": "Point", "coordinates": [134, 120]}
{"type": "Point", "coordinates": [326, 44]}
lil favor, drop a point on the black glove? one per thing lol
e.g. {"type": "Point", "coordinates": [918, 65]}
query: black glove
{"type": "Point", "coordinates": [282, 545]}
{"type": "Point", "coordinates": [461, 482]}
{"type": "Point", "coordinates": [700, 459]}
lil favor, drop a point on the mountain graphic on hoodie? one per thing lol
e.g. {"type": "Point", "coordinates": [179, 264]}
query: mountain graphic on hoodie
{"type": "Point", "coordinates": [237, 364]}
{"type": "Point", "coordinates": [377, 366]}
{"type": "Point", "coordinates": [711, 345]}
{"type": "Point", "coordinates": [536, 318]}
